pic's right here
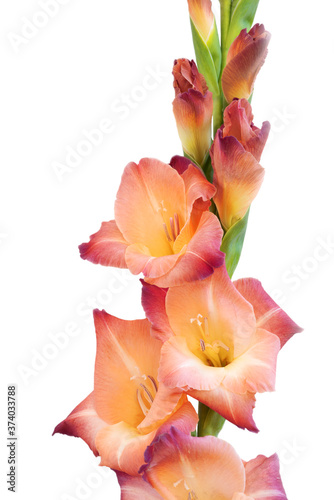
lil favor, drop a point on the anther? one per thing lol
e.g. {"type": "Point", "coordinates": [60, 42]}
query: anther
{"type": "Point", "coordinates": [172, 228]}
{"type": "Point", "coordinates": [177, 224]}
{"type": "Point", "coordinates": [166, 232]}
{"type": "Point", "coordinates": [147, 393]}
{"type": "Point", "coordinates": [142, 405]}
{"type": "Point", "coordinates": [202, 344]}
{"type": "Point", "coordinates": [153, 383]}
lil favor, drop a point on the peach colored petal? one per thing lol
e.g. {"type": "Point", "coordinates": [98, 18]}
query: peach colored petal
{"type": "Point", "coordinates": [193, 114]}
{"type": "Point", "coordinates": [201, 15]}
{"type": "Point", "coordinates": [229, 317]}
{"type": "Point", "coordinates": [83, 422]}
{"type": "Point", "coordinates": [241, 496]}
{"type": "Point", "coordinates": [106, 247]}
{"type": "Point", "coordinates": [165, 403]}
{"type": "Point", "coordinates": [121, 447]}
{"type": "Point", "coordinates": [181, 368]}
{"type": "Point", "coordinates": [263, 481]}
{"type": "Point", "coordinates": [150, 193]}
{"type": "Point", "coordinates": [244, 60]}
{"type": "Point", "coordinates": [179, 465]}
{"type": "Point", "coordinates": [238, 122]}
{"type": "Point", "coordinates": [139, 260]}
{"type": "Point", "coordinates": [185, 419]}
{"type": "Point", "coordinates": [153, 302]}
{"type": "Point", "coordinates": [237, 408]}
{"type": "Point", "coordinates": [199, 257]}
{"type": "Point", "coordinates": [126, 354]}
{"type": "Point", "coordinates": [268, 314]}
{"type": "Point", "coordinates": [135, 488]}
{"type": "Point", "coordinates": [237, 177]}
{"type": "Point", "coordinates": [197, 186]}
{"type": "Point", "coordinates": [255, 369]}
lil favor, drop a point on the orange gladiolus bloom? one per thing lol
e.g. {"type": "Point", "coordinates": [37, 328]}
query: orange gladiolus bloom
{"type": "Point", "coordinates": [162, 227]}
{"type": "Point", "coordinates": [128, 407]}
{"type": "Point", "coordinates": [193, 109]}
{"type": "Point", "coordinates": [244, 60]}
{"type": "Point", "coordinates": [238, 122]}
{"type": "Point", "coordinates": [237, 175]}
{"type": "Point", "coordinates": [221, 341]}
{"type": "Point", "coordinates": [181, 467]}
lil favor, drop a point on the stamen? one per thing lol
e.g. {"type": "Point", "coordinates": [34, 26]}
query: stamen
{"type": "Point", "coordinates": [147, 393]}
{"type": "Point", "coordinates": [142, 405]}
{"type": "Point", "coordinates": [202, 344]}
{"type": "Point", "coordinates": [220, 344]}
{"type": "Point", "coordinates": [166, 232]}
{"type": "Point", "coordinates": [192, 495]}
{"type": "Point", "coordinates": [177, 224]}
{"type": "Point", "coordinates": [172, 228]}
{"type": "Point", "coordinates": [153, 383]}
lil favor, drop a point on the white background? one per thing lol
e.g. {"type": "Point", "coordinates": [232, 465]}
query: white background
{"type": "Point", "coordinates": [89, 57]}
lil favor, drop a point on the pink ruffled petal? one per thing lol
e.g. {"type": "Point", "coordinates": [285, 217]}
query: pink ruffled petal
{"type": "Point", "coordinates": [180, 368]}
{"type": "Point", "coordinates": [122, 447]}
{"type": "Point", "coordinates": [197, 186]}
{"type": "Point", "coordinates": [207, 467]}
{"type": "Point", "coordinates": [185, 419]}
{"type": "Point", "coordinates": [106, 247]}
{"type": "Point", "coordinates": [181, 163]}
{"type": "Point", "coordinates": [255, 369]}
{"type": "Point", "coordinates": [135, 488]}
{"type": "Point", "coordinates": [202, 254]}
{"type": "Point", "coordinates": [153, 301]}
{"type": "Point", "coordinates": [126, 353]}
{"type": "Point", "coordinates": [83, 422]}
{"type": "Point", "coordinates": [150, 193]}
{"type": "Point", "coordinates": [166, 401]}
{"type": "Point", "coordinates": [263, 481]}
{"type": "Point", "coordinates": [229, 317]}
{"type": "Point", "coordinates": [268, 314]}
{"type": "Point", "coordinates": [139, 260]}
{"type": "Point", "coordinates": [237, 408]}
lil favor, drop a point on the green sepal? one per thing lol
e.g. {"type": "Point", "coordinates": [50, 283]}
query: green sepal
{"type": "Point", "coordinates": [210, 422]}
{"type": "Point", "coordinates": [204, 57]}
{"type": "Point", "coordinates": [242, 16]}
{"type": "Point", "coordinates": [233, 242]}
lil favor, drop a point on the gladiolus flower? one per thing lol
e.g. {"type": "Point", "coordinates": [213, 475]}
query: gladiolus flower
{"type": "Point", "coordinates": [221, 341]}
{"type": "Point", "coordinates": [181, 467]}
{"type": "Point", "coordinates": [237, 175]}
{"type": "Point", "coordinates": [245, 57]}
{"type": "Point", "coordinates": [163, 226]}
{"type": "Point", "coordinates": [128, 407]}
{"type": "Point", "coordinates": [238, 122]}
{"type": "Point", "coordinates": [193, 109]}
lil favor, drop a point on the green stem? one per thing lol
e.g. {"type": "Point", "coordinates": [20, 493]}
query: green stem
{"type": "Point", "coordinates": [217, 113]}
{"type": "Point", "coordinates": [225, 17]}
{"type": "Point", "coordinates": [210, 423]}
